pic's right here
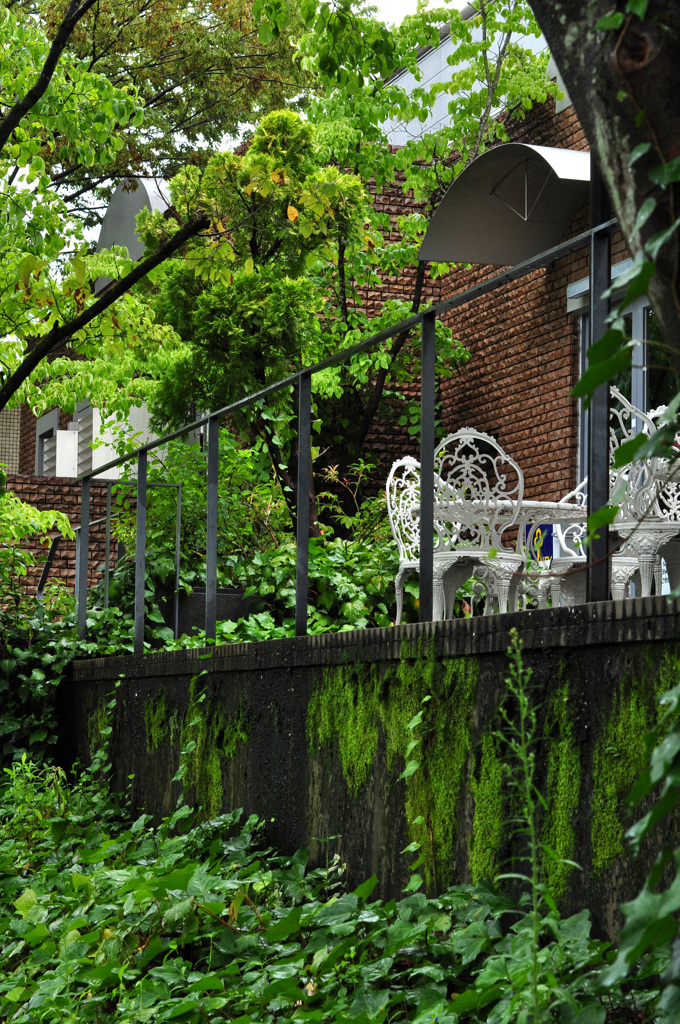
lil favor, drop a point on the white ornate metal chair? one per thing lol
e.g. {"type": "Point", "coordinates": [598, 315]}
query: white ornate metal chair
{"type": "Point", "coordinates": [637, 488]}
{"type": "Point", "coordinates": [647, 518]}
{"type": "Point", "coordinates": [478, 498]}
{"type": "Point", "coordinates": [403, 509]}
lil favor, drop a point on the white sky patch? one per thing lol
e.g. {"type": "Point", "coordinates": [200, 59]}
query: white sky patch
{"type": "Point", "coordinates": [392, 12]}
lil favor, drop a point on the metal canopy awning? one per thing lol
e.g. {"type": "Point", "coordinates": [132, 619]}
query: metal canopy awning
{"type": "Point", "coordinates": [119, 226]}
{"type": "Point", "coordinates": [509, 205]}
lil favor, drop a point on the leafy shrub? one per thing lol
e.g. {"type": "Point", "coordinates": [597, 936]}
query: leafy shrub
{"type": "Point", "coordinates": [21, 525]}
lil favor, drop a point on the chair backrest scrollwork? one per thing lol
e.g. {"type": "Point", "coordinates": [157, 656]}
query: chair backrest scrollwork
{"type": "Point", "coordinates": [479, 489]}
{"type": "Point", "coordinates": [403, 506]}
{"type": "Point", "coordinates": [634, 486]}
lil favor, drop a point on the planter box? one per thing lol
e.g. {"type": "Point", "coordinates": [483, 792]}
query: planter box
{"type": "Point", "coordinates": [231, 604]}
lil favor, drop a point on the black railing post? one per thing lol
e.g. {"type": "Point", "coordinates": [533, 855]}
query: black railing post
{"type": "Point", "coordinates": [211, 529]}
{"type": "Point", "coordinates": [107, 555]}
{"type": "Point", "coordinates": [304, 487]}
{"type": "Point", "coordinates": [597, 579]}
{"type": "Point", "coordinates": [427, 407]}
{"type": "Point", "coordinates": [178, 533]}
{"type": "Point", "coordinates": [82, 560]}
{"type": "Point", "coordinates": [140, 552]}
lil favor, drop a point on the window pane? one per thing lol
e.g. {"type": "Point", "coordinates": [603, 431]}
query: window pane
{"type": "Point", "coordinates": [623, 380]}
{"type": "Point", "coordinates": [663, 379]}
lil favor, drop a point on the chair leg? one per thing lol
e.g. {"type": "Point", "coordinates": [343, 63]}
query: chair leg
{"type": "Point", "coordinates": [647, 563]}
{"type": "Point", "coordinates": [399, 593]}
{"type": "Point", "coordinates": [438, 598]}
{"type": "Point", "coordinates": [621, 572]}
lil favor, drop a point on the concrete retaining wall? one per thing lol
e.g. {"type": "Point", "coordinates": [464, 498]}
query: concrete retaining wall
{"type": "Point", "coordinates": [311, 734]}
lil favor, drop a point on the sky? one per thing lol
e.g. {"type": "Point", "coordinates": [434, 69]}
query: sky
{"type": "Point", "coordinates": [392, 11]}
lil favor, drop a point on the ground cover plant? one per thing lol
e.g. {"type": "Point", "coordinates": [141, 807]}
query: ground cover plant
{"type": "Point", "coordinates": [107, 919]}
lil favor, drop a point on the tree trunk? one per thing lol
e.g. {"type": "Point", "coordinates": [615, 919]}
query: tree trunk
{"type": "Point", "coordinates": [625, 85]}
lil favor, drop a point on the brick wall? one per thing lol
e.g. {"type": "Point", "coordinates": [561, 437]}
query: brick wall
{"type": "Point", "coordinates": [62, 494]}
{"type": "Point", "coordinates": [523, 345]}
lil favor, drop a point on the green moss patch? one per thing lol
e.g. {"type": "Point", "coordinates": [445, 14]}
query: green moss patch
{"type": "Point", "coordinates": [207, 737]}
{"type": "Point", "coordinates": [353, 704]}
{"type": "Point", "coordinates": [620, 755]}
{"type": "Point", "coordinates": [487, 830]}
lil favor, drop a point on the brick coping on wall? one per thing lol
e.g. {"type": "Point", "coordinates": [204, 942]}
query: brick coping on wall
{"type": "Point", "coordinates": [640, 620]}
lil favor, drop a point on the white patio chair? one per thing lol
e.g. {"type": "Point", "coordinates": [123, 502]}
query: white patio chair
{"type": "Point", "coordinates": [479, 491]}
{"type": "Point", "coordinates": [403, 509]}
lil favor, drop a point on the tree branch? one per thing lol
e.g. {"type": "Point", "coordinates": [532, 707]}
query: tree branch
{"type": "Point", "coordinates": [60, 333]}
{"type": "Point", "coordinates": [383, 372]}
{"type": "Point", "coordinates": [74, 13]}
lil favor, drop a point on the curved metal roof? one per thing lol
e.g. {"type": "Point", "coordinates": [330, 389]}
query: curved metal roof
{"type": "Point", "coordinates": [119, 225]}
{"type": "Point", "coordinates": [510, 204]}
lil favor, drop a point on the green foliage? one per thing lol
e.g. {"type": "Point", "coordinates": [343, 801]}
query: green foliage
{"type": "Point", "coordinates": [251, 515]}
{"type": "Point", "coordinates": [107, 919]}
{"type": "Point", "coordinates": [21, 524]}
{"type": "Point", "coordinates": [199, 72]}
{"type": "Point", "coordinates": [651, 918]}
{"type": "Point", "coordinates": [34, 656]}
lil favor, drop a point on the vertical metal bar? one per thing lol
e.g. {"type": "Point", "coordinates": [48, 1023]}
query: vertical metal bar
{"type": "Point", "coordinates": [211, 529]}
{"type": "Point", "coordinates": [597, 580]}
{"type": "Point", "coordinates": [82, 559]}
{"type": "Point", "coordinates": [304, 486]}
{"type": "Point", "coordinates": [427, 410]}
{"type": "Point", "coordinates": [108, 545]}
{"type": "Point", "coordinates": [178, 527]}
{"type": "Point", "coordinates": [40, 592]}
{"type": "Point", "coordinates": [140, 552]}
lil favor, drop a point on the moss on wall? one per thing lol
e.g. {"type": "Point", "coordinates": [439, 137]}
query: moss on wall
{"type": "Point", "coordinates": [352, 703]}
{"type": "Point", "coordinates": [96, 724]}
{"type": "Point", "coordinates": [620, 754]}
{"type": "Point", "coordinates": [155, 722]}
{"type": "Point", "coordinates": [208, 736]}
{"type": "Point", "coordinates": [347, 706]}
{"type": "Point", "coordinates": [487, 830]}
{"type": "Point", "coordinates": [161, 728]}
{"type": "Point", "coordinates": [563, 789]}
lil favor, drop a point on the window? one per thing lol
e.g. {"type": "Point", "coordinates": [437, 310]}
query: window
{"type": "Point", "coordinates": [652, 379]}
{"type": "Point", "coordinates": [45, 452]}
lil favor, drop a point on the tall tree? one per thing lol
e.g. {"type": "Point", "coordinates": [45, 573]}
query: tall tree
{"type": "Point", "coordinates": [309, 224]}
{"type": "Point", "coordinates": [200, 74]}
{"type": "Point", "coordinates": [64, 123]}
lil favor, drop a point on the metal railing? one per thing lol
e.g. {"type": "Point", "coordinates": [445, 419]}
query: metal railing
{"type": "Point", "coordinates": [426, 321]}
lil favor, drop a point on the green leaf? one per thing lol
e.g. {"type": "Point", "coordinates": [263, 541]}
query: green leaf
{"type": "Point", "coordinates": [288, 925]}
{"type": "Point", "coordinates": [79, 269]}
{"type": "Point", "coordinates": [641, 150]}
{"type": "Point", "coordinates": [28, 899]}
{"type": "Point", "coordinates": [366, 888]}
{"type": "Point", "coordinates": [409, 770]}
{"type": "Point", "coordinates": [666, 174]}
{"type": "Point", "coordinates": [627, 451]}
{"type": "Point", "coordinates": [610, 22]}
{"type": "Point", "coordinates": [603, 517]}
{"type": "Point", "coordinates": [661, 238]}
